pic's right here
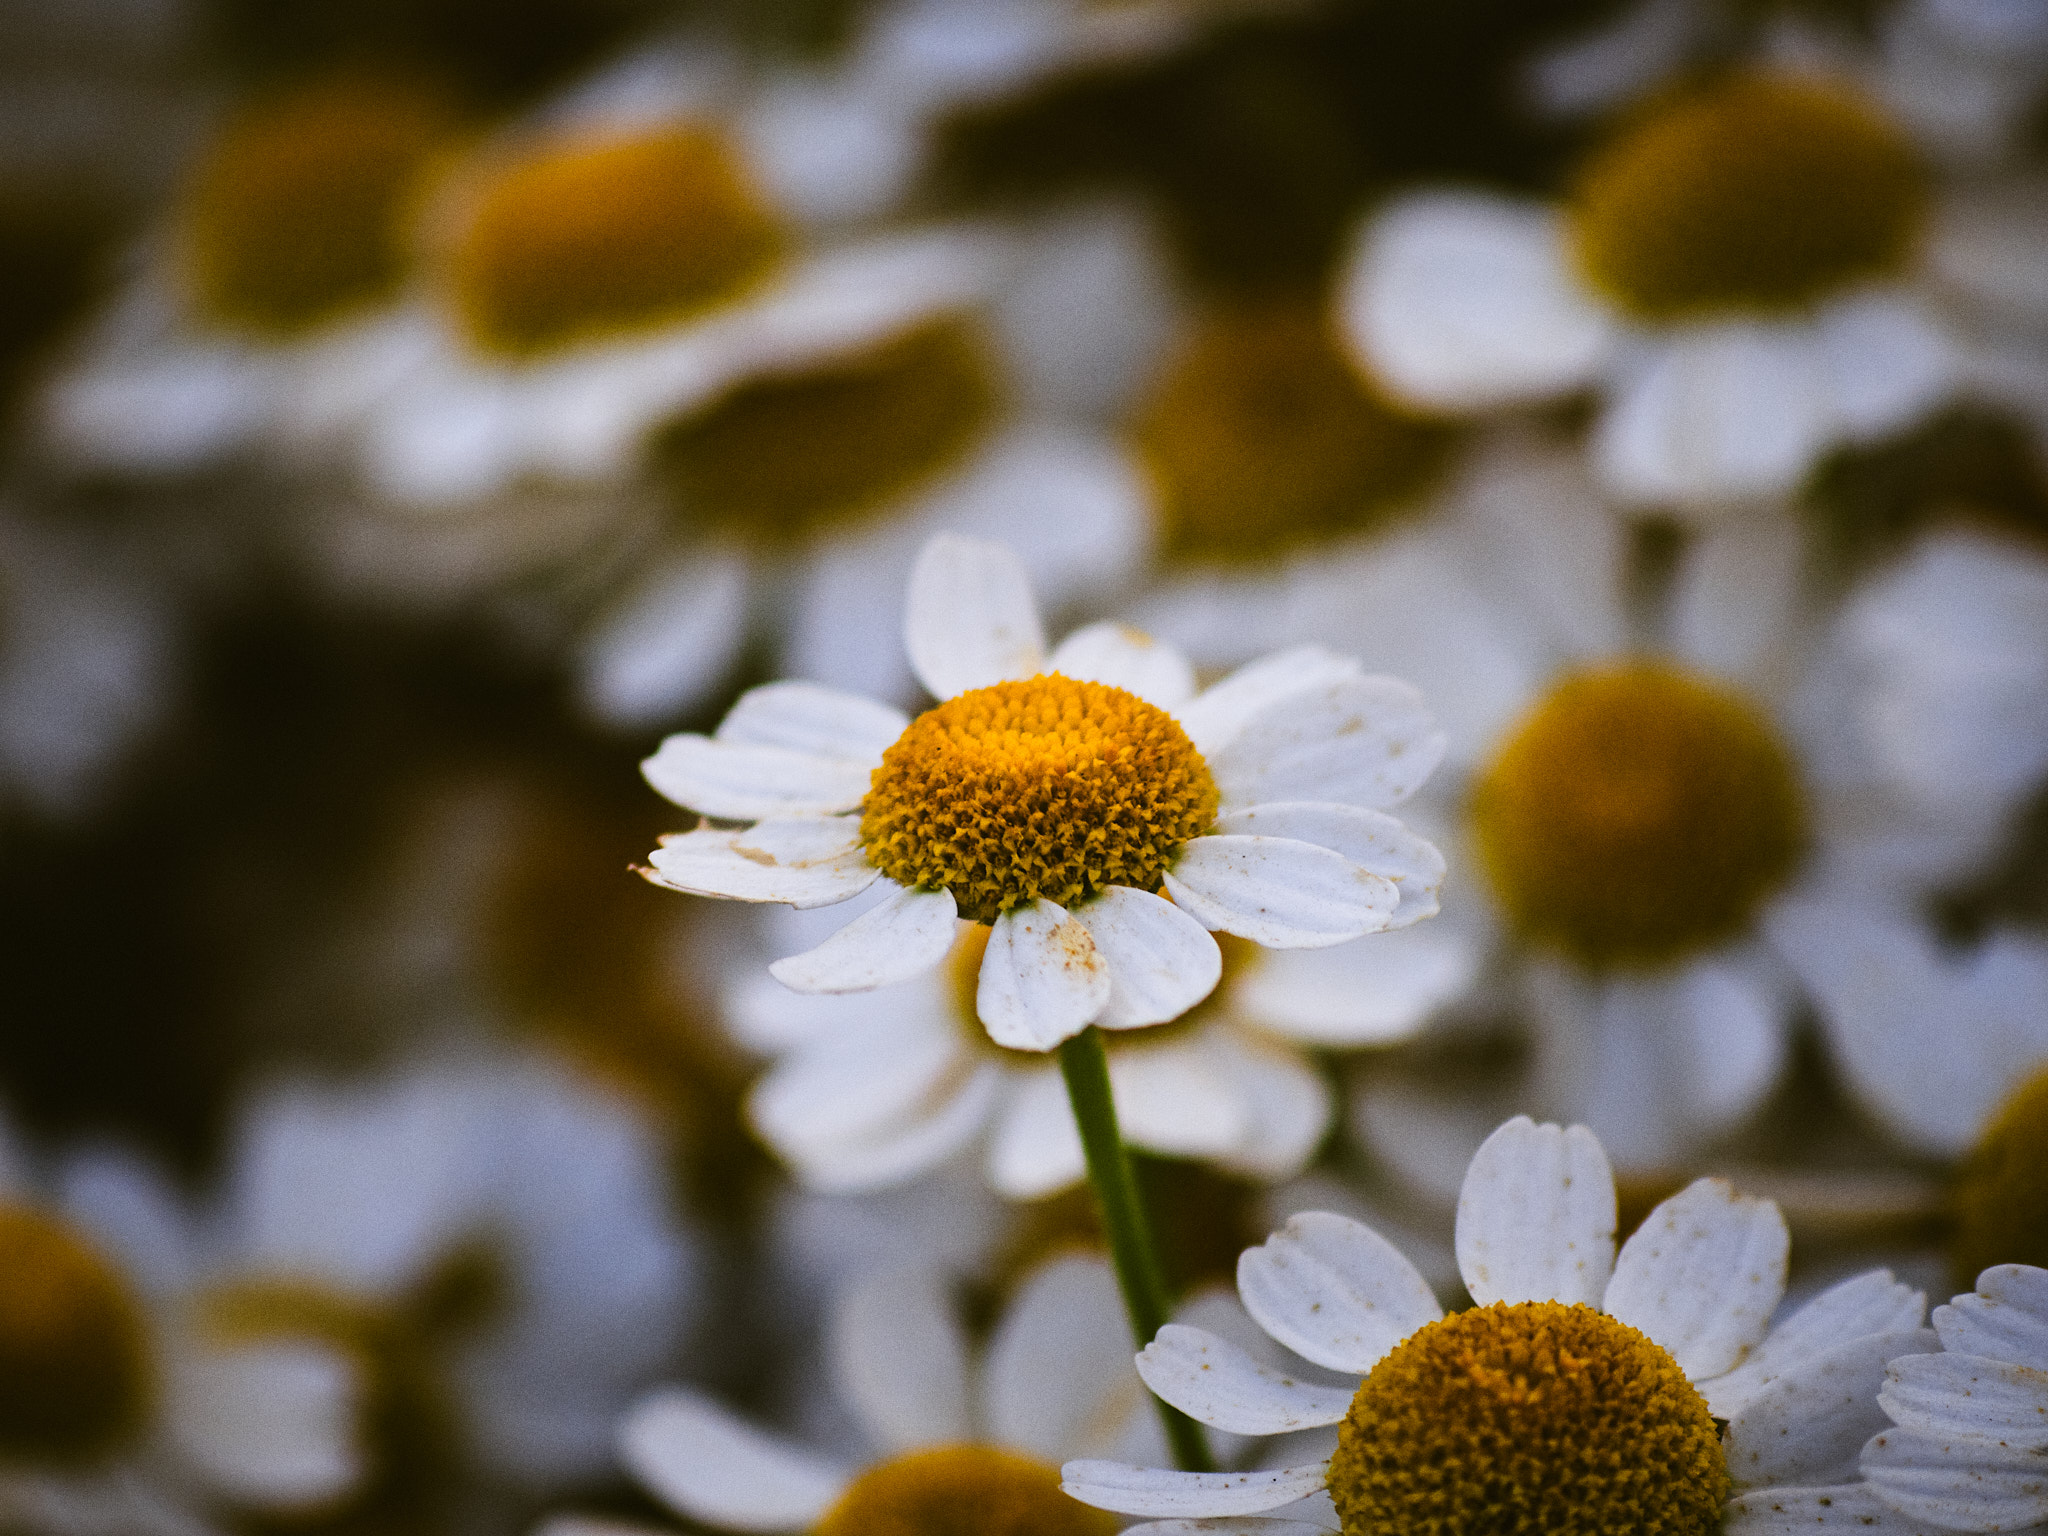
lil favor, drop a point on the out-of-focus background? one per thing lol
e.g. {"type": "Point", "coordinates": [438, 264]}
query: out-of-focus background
{"type": "Point", "coordinates": [412, 412]}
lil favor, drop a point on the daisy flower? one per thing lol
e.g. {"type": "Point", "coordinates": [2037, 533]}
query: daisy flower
{"type": "Point", "coordinates": [1060, 801]}
{"type": "Point", "coordinates": [1971, 1421]}
{"type": "Point", "coordinates": [943, 1426]}
{"type": "Point", "coordinates": [1737, 274]}
{"type": "Point", "coordinates": [1638, 782]}
{"type": "Point", "coordinates": [1581, 1393]}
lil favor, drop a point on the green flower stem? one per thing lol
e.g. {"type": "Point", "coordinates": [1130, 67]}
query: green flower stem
{"type": "Point", "coordinates": [1085, 1065]}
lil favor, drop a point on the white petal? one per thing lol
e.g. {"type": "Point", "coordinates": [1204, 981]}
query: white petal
{"type": "Point", "coordinates": [1810, 1424]}
{"type": "Point", "coordinates": [1798, 1511]}
{"type": "Point", "coordinates": [1213, 1381]}
{"type": "Point", "coordinates": [970, 620]}
{"type": "Point", "coordinates": [906, 1148]}
{"type": "Point", "coordinates": [1463, 301]}
{"type": "Point", "coordinates": [1035, 1149]}
{"type": "Point", "coordinates": [1872, 1302]}
{"type": "Point", "coordinates": [1373, 840]}
{"type": "Point", "coordinates": [2006, 1317]}
{"type": "Point", "coordinates": [1536, 1216]}
{"type": "Point", "coordinates": [1956, 1396]}
{"type": "Point", "coordinates": [1966, 1485]}
{"type": "Point", "coordinates": [1288, 1103]}
{"type": "Point", "coordinates": [1727, 411]}
{"type": "Point", "coordinates": [1042, 979]}
{"type": "Point", "coordinates": [806, 862]}
{"type": "Point", "coordinates": [738, 781]}
{"type": "Point", "coordinates": [1888, 362]}
{"type": "Point", "coordinates": [1376, 990]}
{"type": "Point", "coordinates": [1176, 1098]}
{"type": "Point", "coordinates": [1129, 659]}
{"type": "Point", "coordinates": [903, 937]}
{"type": "Point", "coordinates": [1057, 1381]}
{"type": "Point", "coordinates": [708, 1464]}
{"type": "Point", "coordinates": [1702, 1276]}
{"type": "Point", "coordinates": [668, 643]}
{"type": "Point", "coordinates": [1215, 718]}
{"type": "Point", "coordinates": [1157, 1491]}
{"type": "Point", "coordinates": [1334, 1291]}
{"type": "Point", "coordinates": [858, 1085]}
{"type": "Point", "coordinates": [900, 1359]}
{"type": "Point", "coordinates": [1161, 961]}
{"type": "Point", "coordinates": [808, 717]}
{"type": "Point", "coordinates": [270, 1424]}
{"type": "Point", "coordinates": [1736, 596]}
{"type": "Point", "coordinates": [1278, 892]}
{"type": "Point", "coordinates": [1367, 740]}
{"type": "Point", "coordinates": [1243, 1525]}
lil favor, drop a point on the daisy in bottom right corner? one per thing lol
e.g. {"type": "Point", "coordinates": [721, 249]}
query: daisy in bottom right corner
{"type": "Point", "coordinates": [1588, 1391]}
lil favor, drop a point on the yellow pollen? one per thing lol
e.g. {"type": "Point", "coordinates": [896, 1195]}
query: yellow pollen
{"type": "Point", "coordinates": [961, 1490]}
{"type": "Point", "coordinates": [2000, 1197]}
{"type": "Point", "coordinates": [780, 456]}
{"type": "Point", "coordinates": [613, 235]}
{"type": "Point", "coordinates": [74, 1373]}
{"type": "Point", "coordinates": [1046, 787]}
{"type": "Point", "coordinates": [1535, 1418]}
{"type": "Point", "coordinates": [1754, 193]}
{"type": "Point", "coordinates": [297, 213]}
{"type": "Point", "coordinates": [1261, 436]}
{"type": "Point", "coordinates": [1637, 815]}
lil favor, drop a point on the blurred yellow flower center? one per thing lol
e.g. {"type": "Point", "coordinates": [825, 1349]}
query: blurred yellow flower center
{"type": "Point", "coordinates": [297, 212]}
{"type": "Point", "coordinates": [1046, 787]}
{"type": "Point", "coordinates": [780, 456]}
{"type": "Point", "coordinates": [2000, 1198]}
{"type": "Point", "coordinates": [1637, 815]}
{"type": "Point", "coordinates": [74, 1372]}
{"type": "Point", "coordinates": [1536, 1417]}
{"type": "Point", "coordinates": [961, 1490]}
{"type": "Point", "coordinates": [1754, 193]}
{"type": "Point", "coordinates": [1261, 436]}
{"type": "Point", "coordinates": [616, 235]}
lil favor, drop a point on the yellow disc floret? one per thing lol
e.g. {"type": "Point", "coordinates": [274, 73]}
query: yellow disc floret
{"type": "Point", "coordinates": [961, 1490]}
{"type": "Point", "coordinates": [74, 1375]}
{"type": "Point", "coordinates": [2000, 1198]}
{"type": "Point", "coordinates": [780, 456]}
{"type": "Point", "coordinates": [615, 235]}
{"type": "Point", "coordinates": [1047, 787]}
{"type": "Point", "coordinates": [1262, 436]}
{"type": "Point", "coordinates": [1754, 193]}
{"type": "Point", "coordinates": [1637, 815]}
{"type": "Point", "coordinates": [297, 212]}
{"type": "Point", "coordinates": [1530, 1419]}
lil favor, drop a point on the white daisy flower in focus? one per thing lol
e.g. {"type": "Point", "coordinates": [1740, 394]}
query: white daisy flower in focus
{"type": "Point", "coordinates": [1054, 799]}
{"type": "Point", "coordinates": [1581, 1393]}
{"type": "Point", "coordinates": [1972, 1421]}
{"type": "Point", "coordinates": [1738, 275]}
{"type": "Point", "coordinates": [944, 1426]}
{"type": "Point", "coordinates": [1640, 782]}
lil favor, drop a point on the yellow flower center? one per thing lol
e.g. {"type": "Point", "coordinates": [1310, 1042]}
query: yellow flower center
{"type": "Point", "coordinates": [777, 457]}
{"type": "Point", "coordinates": [2000, 1197]}
{"type": "Point", "coordinates": [1046, 787]}
{"type": "Point", "coordinates": [1261, 436]}
{"type": "Point", "coordinates": [961, 1490]}
{"type": "Point", "coordinates": [297, 213]}
{"type": "Point", "coordinates": [1637, 815]}
{"type": "Point", "coordinates": [74, 1372]}
{"type": "Point", "coordinates": [1754, 193]}
{"type": "Point", "coordinates": [615, 235]}
{"type": "Point", "coordinates": [1536, 1417]}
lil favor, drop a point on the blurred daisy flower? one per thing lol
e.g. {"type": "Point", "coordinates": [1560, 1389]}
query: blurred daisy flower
{"type": "Point", "coordinates": [1738, 273]}
{"type": "Point", "coordinates": [1603, 1374]}
{"type": "Point", "coordinates": [264, 313]}
{"type": "Point", "coordinates": [1640, 776]}
{"type": "Point", "coordinates": [945, 1426]}
{"type": "Point", "coordinates": [1053, 799]}
{"type": "Point", "coordinates": [1971, 1422]}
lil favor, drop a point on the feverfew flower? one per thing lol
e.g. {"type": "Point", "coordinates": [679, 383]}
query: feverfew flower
{"type": "Point", "coordinates": [1580, 1394]}
{"type": "Point", "coordinates": [1736, 274]}
{"type": "Point", "coordinates": [1060, 800]}
{"type": "Point", "coordinates": [1972, 1421]}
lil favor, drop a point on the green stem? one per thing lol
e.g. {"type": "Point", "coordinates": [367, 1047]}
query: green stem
{"type": "Point", "coordinates": [1085, 1065]}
